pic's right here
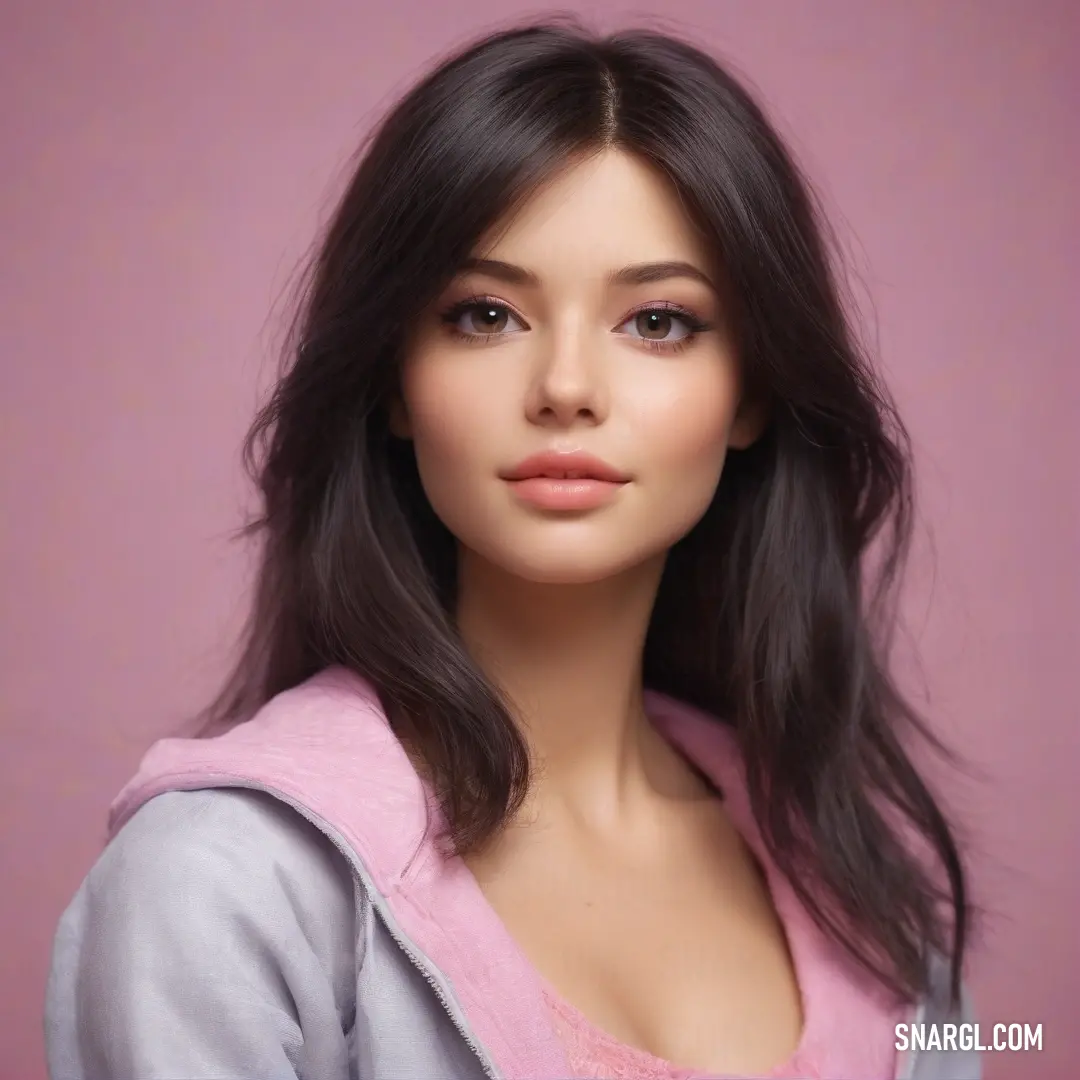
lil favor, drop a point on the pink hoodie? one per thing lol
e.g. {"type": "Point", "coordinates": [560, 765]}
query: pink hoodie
{"type": "Point", "coordinates": [327, 749]}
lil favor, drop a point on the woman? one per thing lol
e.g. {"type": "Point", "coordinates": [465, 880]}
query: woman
{"type": "Point", "coordinates": [572, 412]}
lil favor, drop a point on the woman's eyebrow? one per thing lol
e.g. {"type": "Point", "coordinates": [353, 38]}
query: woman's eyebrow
{"type": "Point", "coordinates": [636, 274]}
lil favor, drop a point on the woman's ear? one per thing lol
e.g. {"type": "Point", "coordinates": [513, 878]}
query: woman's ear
{"type": "Point", "coordinates": [750, 421]}
{"type": "Point", "coordinates": [400, 426]}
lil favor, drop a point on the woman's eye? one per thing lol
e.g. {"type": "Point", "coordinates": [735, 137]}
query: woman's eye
{"type": "Point", "coordinates": [485, 320]}
{"type": "Point", "coordinates": [656, 324]}
{"type": "Point", "coordinates": [477, 320]}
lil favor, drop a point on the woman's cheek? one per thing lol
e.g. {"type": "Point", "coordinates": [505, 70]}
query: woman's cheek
{"type": "Point", "coordinates": [445, 412]}
{"type": "Point", "coordinates": [684, 424]}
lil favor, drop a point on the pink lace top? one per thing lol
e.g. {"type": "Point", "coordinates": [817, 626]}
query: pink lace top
{"type": "Point", "coordinates": [595, 1055]}
{"type": "Point", "coordinates": [848, 1024]}
{"type": "Point", "coordinates": [836, 1028]}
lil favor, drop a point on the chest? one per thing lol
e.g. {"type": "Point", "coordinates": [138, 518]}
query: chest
{"type": "Point", "coordinates": [674, 949]}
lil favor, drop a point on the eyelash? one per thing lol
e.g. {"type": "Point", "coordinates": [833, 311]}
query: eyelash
{"type": "Point", "coordinates": [694, 324]}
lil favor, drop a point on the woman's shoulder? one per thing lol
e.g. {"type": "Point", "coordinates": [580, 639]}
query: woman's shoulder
{"type": "Point", "coordinates": [230, 847]}
{"type": "Point", "coordinates": [209, 900]}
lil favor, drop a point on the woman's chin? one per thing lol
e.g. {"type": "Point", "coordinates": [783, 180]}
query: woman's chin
{"type": "Point", "coordinates": [579, 566]}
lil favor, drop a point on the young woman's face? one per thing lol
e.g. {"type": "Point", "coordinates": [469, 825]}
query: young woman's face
{"type": "Point", "coordinates": [578, 339]}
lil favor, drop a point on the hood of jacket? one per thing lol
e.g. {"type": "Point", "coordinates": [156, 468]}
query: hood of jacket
{"type": "Point", "coordinates": [326, 748]}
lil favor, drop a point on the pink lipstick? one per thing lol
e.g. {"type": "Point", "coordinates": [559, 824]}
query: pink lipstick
{"type": "Point", "coordinates": [569, 481]}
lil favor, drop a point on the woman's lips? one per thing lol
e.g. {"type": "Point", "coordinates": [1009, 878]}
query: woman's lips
{"type": "Point", "coordinates": [573, 480]}
{"type": "Point", "coordinates": [551, 493]}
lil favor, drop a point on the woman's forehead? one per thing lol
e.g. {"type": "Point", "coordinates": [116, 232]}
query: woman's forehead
{"type": "Point", "coordinates": [613, 221]}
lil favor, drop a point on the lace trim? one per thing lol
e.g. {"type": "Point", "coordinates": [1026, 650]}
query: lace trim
{"type": "Point", "coordinates": [595, 1055]}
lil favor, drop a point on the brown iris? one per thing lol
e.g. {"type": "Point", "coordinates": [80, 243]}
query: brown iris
{"type": "Point", "coordinates": [486, 319]}
{"type": "Point", "coordinates": [655, 325]}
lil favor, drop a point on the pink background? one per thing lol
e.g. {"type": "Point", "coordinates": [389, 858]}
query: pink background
{"type": "Point", "coordinates": [164, 166]}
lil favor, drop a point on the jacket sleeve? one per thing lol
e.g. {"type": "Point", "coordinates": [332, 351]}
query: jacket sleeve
{"type": "Point", "coordinates": [215, 937]}
{"type": "Point", "coordinates": [956, 1062]}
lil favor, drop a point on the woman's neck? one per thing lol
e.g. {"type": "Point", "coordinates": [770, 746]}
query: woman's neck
{"type": "Point", "coordinates": [569, 660]}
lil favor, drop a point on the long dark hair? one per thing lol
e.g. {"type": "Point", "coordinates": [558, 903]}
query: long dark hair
{"type": "Point", "coordinates": [767, 615]}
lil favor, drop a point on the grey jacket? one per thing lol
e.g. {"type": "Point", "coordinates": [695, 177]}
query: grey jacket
{"type": "Point", "coordinates": [268, 908]}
